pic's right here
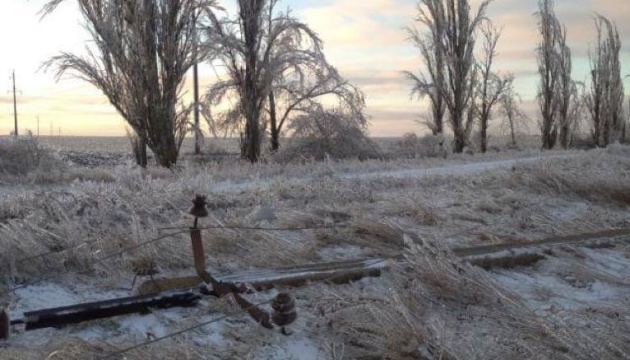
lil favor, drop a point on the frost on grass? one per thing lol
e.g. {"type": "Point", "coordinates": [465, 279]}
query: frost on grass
{"type": "Point", "coordinates": [436, 307]}
{"type": "Point", "coordinates": [428, 305]}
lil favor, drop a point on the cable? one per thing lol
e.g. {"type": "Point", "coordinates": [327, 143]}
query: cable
{"type": "Point", "coordinates": [183, 331]}
{"type": "Point", "coordinates": [252, 228]}
{"type": "Point", "coordinates": [215, 227]}
{"type": "Point", "coordinates": [200, 325]}
{"type": "Point", "coordinates": [138, 245]}
{"type": "Point", "coordinates": [97, 261]}
{"type": "Point", "coordinates": [53, 252]}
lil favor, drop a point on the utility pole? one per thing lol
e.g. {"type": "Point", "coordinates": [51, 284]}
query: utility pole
{"type": "Point", "coordinates": [15, 116]}
{"type": "Point", "coordinates": [196, 89]}
{"type": "Point", "coordinates": [196, 110]}
{"type": "Point", "coordinates": [37, 125]}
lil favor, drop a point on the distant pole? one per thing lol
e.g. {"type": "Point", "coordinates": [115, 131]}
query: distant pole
{"type": "Point", "coordinates": [51, 129]}
{"type": "Point", "coordinates": [15, 116]}
{"type": "Point", "coordinates": [196, 110]}
{"type": "Point", "coordinates": [37, 125]}
{"type": "Point", "coordinates": [196, 90]}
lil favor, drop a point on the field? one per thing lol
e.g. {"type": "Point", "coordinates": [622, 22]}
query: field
{"type": "Point", "coordinates": [73, 237]}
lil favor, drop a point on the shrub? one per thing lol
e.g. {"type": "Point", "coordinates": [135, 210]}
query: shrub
{"type": "Point", "coordinates": [329, 134]}
{"type": "Point", "coordinates": [411, 146]}
{"type": "Point", "coordinates": [22, 156]}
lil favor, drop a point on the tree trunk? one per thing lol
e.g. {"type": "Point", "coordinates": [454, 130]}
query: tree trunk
{"type": "Point", "coordinates": [484, 136]}
{"type": "Point", "coordinates": [251, 145]}
{"type": "Point", "coordinates": [459, 141]}
{"type": "Point", "coordinates": [141, 153]}
{"type": "Point", "coordinates": [165, 146]}
{"type": "Point", "coordinates": [512, 132]}
{"type": "Point", "coordinates": [564, 135]}
{"type": "Point", "coordinates": [273, 121]}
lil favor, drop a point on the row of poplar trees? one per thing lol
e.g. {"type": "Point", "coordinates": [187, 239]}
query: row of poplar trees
{"type": "Point", "coordinates": [464, 92]}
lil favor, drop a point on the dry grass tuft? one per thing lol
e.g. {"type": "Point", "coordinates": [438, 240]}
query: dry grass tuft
{"type": "Point", "coordinates": [600, 176]}
{"type": "Point", "coordinates": [384, 237]}
{"type": "Point", "coordinates": [437, 307]}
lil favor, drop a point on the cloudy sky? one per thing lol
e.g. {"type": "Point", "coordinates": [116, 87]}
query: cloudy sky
{"type": "Point", "coordinates": [365, 40]}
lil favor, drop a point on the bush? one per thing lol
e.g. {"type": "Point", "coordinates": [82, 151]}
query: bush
{"type": "Point", "coordinates": [20, 157]}
{"type": "Point", "coordinates": [411, 146]}
{"type": "Point", "coordinates": [329, 134]}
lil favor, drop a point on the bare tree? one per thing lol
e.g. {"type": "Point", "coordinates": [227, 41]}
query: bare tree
{"type": "Point", "coordinates": [490, 87]}
{"type": "Point", "coordinates": [303, 92]}
{"type": "Point", "coordinates": [458, 45]}
{"type": "Point", "coordinates": [258, 49]}
{"type": "Point", "coordinates": [550, 54]}
{"type": "Point", "coordinates": [566, 91]}
{"type": "Point", "coordinates": [143, 48]}
{"type": "Point", "coordinates": [428, 82]}
{"type": "Point", "coordinates": [606, 96]}
{"type": "Point", "coordinates": [515, 118]}
{"type": "Point", "coordinates": [578, 111]}
{"type": "Point", "coordinates": [218, 123]}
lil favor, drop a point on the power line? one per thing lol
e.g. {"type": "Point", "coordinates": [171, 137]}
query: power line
{"type": "Point", "coordinates": [200, 325]}
{"type": "Point", "coordinates": [183, 331]}
{"type": "Point", "coordinates": [182, 230]}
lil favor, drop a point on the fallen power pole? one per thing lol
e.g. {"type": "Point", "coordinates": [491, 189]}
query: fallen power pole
{"type": "Point", "coordinates": [60, 316]}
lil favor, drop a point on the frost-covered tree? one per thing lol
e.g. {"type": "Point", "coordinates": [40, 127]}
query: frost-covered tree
{"type": "Point", "coordinates": [428, 82]}
{"type": "Point", "coordinates": [274, 67]}
{"type": "Point", "coordinates": [141, 53]}
{"type": "Point", "coordinates": [451, 38]}
{"type": "Point", "coordinates": [606, 94]}
{"type": "Point", "coordinates": [297, 93]}
{"type": "Point", "coordinates": [490, 86]}
{"type": "Point", "coordinates": [337, 133]}
{"type": "Point", "coordinates": [554, 68]}
{"type": "Point", "coordinates": [514, 118]}
{"type": "Point", "coordinates": [567, 90]}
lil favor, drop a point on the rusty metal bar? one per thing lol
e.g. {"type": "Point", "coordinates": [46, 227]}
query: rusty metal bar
{"type": "Point", "coordinates": [199, 256]}
{"type": "Point", "coordinates": [60, 316]}
{"type": "Point", "coordinates": [4, 325]}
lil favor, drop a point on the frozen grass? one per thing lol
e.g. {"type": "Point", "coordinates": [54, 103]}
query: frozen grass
{"type": "Point", "coordinates": [425, 305]}
{"type": "Point", "coordinates": [602, 176]}
{"type": "Point", "coordinates": [24, 158]}
{"type": "Point", "coordinates": [436, 307]}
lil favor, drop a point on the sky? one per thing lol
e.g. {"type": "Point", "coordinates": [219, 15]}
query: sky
{"type": "Point", "coordinates": [365, 40]}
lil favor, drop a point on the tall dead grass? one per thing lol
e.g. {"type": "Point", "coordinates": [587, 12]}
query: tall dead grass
{"type": "Point", "coordinates": [601, 176]}
{"type": "Point", "coordinates": [436, 307]}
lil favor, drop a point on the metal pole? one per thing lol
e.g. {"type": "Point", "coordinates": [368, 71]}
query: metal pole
{"type": "Point", "coordinates": [196, 110]}
{"type": "Point", "coordinates": [196, 92]}
{"type": "Point", "coordinates": [15, 117]}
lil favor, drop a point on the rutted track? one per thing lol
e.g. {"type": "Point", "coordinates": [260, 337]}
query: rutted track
{"type": "Point", "coordinates": [417, 173]}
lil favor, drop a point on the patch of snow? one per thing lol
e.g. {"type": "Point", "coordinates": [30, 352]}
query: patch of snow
{"type": "Point", "coordinates": [341, 252]}
{"type": "Point", "coordinates": [292, 349]}
{"type": "Point", "coordinates": [568, 211]}
{"type": "Point", "coordinates": [550, 286]}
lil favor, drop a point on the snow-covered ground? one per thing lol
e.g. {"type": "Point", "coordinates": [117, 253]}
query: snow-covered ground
{"type": "Point", "coordinates": [473, 202]}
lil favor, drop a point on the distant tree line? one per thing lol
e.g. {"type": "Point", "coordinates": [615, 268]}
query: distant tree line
{"type": "Point", "coordinates": [464, 92]}
{"type": "Point", "coordinates": [276, 78]}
